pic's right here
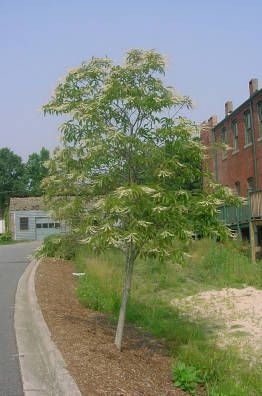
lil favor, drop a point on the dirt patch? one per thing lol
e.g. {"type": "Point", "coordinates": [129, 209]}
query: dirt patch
{"type": "Point", "coordinates": [238, 311]}
{"type": "Point", "coordinates": [85, 339]}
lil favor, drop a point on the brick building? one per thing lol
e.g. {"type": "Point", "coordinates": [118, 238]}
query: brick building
{"type": "Point", "coordinates": [239, 166]}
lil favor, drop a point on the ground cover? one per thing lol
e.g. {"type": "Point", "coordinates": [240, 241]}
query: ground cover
{"type": "Point", "coordinates": [85, 338]}
{"type": "Point", "coordinates": [191, 339]}
{"type": "Point", "coordinates": [6, 239]}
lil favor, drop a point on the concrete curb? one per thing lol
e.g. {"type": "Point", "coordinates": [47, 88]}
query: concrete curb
{"type": "Point", "coordinates": [43, 368]}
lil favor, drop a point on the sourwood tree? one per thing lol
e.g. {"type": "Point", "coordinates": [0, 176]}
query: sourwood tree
{"type": "Point", "coordinates": [122, 177]}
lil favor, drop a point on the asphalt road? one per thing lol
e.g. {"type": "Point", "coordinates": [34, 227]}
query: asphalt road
{"type": "Point", "coordinates": [13, 261]}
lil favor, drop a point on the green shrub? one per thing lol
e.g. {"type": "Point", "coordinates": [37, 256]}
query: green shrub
{"type": "Point", "coordinates": [7, 236]}
{"type": "Point", "coordinates": [58, 246]}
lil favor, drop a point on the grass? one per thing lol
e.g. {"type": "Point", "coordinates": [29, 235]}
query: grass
{"type": "Point", "coordinates": [192, 344]}
{"type": "Point", "coordinates": [8, 242]}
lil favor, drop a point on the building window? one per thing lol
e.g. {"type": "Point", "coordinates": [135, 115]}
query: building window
{"type": "Point", "coordinates": [48, 225]}
{"type": "Point", "coordinates": [23, 223]}
{"type": "Point", "coordinates": [259, 113]}
{"type": "Point", "coordinates": [235, 136]}
{"type": "Point", "coordinates": [248, 132]}
{"type": "Point", "coordinates": [237, 187]}
{"type": "Point", "coordinates": [224, 141]}
{"type": "Point", "coordinates": [224, 136]}
{"type": "Point", "coordinates": [250, 184]}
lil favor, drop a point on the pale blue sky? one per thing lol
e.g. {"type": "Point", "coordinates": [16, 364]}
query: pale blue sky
{"type": "Point", "coordinates": [213, 49]}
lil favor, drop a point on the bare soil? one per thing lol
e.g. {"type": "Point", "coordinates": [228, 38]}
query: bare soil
{"type": "Point", "coordinates": [238, 312]}
{"type": "Point", "coordinates": [85, 338]}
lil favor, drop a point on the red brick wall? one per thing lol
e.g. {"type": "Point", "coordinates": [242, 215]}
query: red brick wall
{"type": "Point", "coordinates": [258, 141]}
{"type": "Point", "coordinates": [237, 166]}
{"type": "Point", "coordinates": [234, 166]}
{"type": "Point", "coordinates": [206, 138]}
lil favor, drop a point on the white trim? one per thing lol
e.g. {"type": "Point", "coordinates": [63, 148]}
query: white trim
{"type": "Point", "coordinates": [2, 226]}
{"type": "Point", "coordinates": [14, 226]}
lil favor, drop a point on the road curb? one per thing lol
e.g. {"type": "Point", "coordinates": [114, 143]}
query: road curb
{"type": "Point", "coordinates": [43, 368]}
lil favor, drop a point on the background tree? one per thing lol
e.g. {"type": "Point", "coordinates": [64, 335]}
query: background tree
{"type": "Point", "coordinates": [35, 171]}
{"type": "Point", "coordinates": [11, 177]}
{"type": "Point", "coordinates": [122, 178]}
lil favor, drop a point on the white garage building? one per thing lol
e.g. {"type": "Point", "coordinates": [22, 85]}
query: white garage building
{"type": "Point", "coordinates": [29, 220]}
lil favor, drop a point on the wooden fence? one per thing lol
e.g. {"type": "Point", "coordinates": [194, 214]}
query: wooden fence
{"type": "Point", "coordinates": [256, 204]}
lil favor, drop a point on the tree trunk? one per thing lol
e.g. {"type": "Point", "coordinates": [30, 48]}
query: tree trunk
{"type": "Point", "coordinates": [130, 258]}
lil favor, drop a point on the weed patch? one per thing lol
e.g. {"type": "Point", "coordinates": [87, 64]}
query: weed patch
{"type": "Point", "coordinates": [186, 377]}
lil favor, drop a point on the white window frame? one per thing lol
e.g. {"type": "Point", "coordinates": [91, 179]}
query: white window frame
{"type": "Point", "coordinates": [248, 128]}
{"type": "Point", "coordinates": [23, 223]}
{"type": "Point", "coordinates": [224, 141]}
{"type": "Point", "coordinates": [235, 136]}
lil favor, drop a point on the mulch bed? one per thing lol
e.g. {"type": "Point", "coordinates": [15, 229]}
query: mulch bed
{"type": "Point", "coordinates": [86, 340]}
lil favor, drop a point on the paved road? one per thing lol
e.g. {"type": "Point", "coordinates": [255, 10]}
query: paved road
{"type": "Point", "coordinates": [13, 261]}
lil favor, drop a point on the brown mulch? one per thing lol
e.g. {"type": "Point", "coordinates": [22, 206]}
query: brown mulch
{"type": "Point", "coordinates": [86, 340]}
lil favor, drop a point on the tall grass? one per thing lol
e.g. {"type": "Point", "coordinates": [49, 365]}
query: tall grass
{"type": "Point", "coordinates": [207, 265]}
{"type": "Point", "coordinates": [223, 265]}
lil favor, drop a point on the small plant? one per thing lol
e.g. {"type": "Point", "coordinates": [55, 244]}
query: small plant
{"type": "Point", "coordinates": [58, 246]}
{"type": "Point", "coordinates": [6, 237]}
{"type": "Point", "coordinates": [186, 377]}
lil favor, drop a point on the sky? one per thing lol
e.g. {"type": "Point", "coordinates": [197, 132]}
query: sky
{"type": "Point", "coordinates": [213, 49]}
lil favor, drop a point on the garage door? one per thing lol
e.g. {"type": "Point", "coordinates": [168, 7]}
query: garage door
{"type": "Point", "coordinates": [46, 226]}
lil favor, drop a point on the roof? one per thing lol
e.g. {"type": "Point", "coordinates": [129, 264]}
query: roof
{"type": "Point", "coordinates": [27, 203]}
{"type": "Point", "coordinates": [238, 109]}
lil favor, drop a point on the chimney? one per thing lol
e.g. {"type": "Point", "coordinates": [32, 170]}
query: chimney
{"type": "Point", "coordinates": [228, 108]}
{"type": "Point", "coordinates": [253, 86]}
{"type": "Point", "coordinates": [212, 121]}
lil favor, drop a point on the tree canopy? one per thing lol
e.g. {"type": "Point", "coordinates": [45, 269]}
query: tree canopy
{"type": "Point", "coordinates": [122, 177]}
{"type": "Point", "coordinates": [18, 178]}
{"type": "Point", "coordinates": [35, 171]}
{"type": "Point", "coordinates": [11, 176]}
